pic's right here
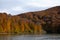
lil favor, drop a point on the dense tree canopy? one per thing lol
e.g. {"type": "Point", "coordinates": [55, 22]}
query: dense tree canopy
{"type": "Point", "coordinates": [39, 22]}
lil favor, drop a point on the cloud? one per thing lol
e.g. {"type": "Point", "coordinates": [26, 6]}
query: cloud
{"type": "Point", "coordinates": [4, 10]}
{"type": "Point", "coordinates": [20, 6]}
{"type": "Point", "coordinates": [43, 3]}
{"type": "Point", "coordinates": [17, 8]}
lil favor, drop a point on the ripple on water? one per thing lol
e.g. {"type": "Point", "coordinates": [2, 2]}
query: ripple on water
{"type": "Point", "coordinates": [31, 37]}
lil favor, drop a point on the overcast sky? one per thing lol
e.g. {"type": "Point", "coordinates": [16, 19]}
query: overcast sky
{"type": "Point", "coordinates": [19, 6]}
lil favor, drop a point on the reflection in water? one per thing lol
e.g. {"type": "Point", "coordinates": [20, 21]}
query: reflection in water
{"type": "Point", "coordinates": [5, 37]}
{"type": "Point", "coordinates": [30, 37]}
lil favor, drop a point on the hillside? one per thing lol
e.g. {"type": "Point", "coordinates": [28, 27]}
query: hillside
{"type": "Point", "coordinates": [39, 22]}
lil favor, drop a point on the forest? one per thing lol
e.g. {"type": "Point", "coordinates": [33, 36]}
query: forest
{"type": "Point", "coordinates": [38, 22]}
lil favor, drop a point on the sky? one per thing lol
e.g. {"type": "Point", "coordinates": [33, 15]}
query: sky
{"type": "Point", "coordinates": [14, 7]}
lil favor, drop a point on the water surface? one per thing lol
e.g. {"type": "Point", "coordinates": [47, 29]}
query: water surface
{"type": "Point", "coordinates": [30, 37]}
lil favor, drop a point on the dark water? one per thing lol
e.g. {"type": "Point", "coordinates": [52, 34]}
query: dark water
{"type": "Point", "coordinates": [30, 37]}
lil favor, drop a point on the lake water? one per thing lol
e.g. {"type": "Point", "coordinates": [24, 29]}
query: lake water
{"type": "Point", "coordinates": [31, 37]}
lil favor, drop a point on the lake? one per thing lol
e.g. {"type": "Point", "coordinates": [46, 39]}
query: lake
{"type": "Point", "coordinates": [30, 37]}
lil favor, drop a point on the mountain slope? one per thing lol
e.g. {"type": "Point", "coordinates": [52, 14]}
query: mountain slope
{"type": "Point", "coordinates": [39, 22]}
